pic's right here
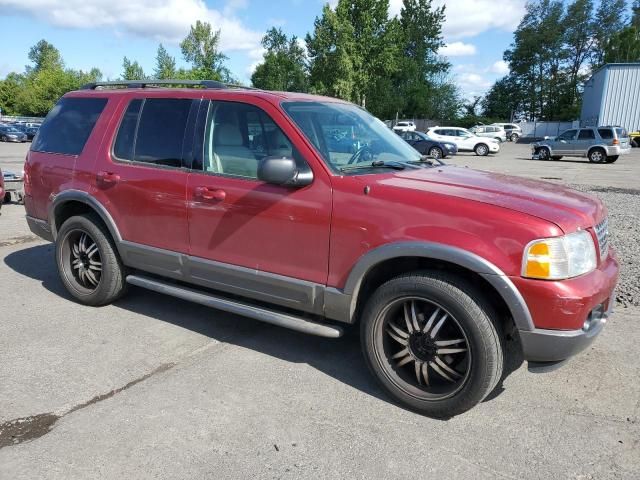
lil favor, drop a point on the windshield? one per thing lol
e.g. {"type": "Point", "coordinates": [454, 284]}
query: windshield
{"type": "Point", "coordinates": [345, 134]}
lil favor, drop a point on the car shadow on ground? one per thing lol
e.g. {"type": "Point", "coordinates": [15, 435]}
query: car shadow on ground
{"type": "Point", "coordinates": [339, 358]}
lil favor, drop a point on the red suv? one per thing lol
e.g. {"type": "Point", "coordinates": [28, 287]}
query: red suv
{"type": "Point", "coordinates": [257, 203]}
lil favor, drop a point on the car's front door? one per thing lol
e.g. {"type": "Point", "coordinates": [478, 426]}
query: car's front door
{"type": "Point", "coordinates": [268, 242]}
{"type": "Point", "coordinates": [564, 143]}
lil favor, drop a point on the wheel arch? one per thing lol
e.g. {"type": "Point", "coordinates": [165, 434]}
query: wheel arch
{"type": "Point", "coordinates": [75, 202]}
{"type": "Point", "coordinates": [383, 263]}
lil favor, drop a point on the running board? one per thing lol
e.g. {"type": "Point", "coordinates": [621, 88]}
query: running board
{"type": "Point", "coordinates": [232, 306]}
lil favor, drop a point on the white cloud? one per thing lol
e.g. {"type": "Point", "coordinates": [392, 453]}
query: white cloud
{"type": "Point", "coordinates": [161, 20]}
{"type": "Point", "coordinates": [458, 49]}
{"type": "Point", "coordinates": [500, 67]}
{"type": "Point", "coordinates": [468, 18]}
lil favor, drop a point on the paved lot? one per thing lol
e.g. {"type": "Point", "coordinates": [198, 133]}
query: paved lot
{"type": "Point", "coordinates": [154, 387]}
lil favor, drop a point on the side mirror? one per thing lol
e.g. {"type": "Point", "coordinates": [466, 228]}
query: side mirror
{"type": "Point", "coordinates": [283, 171]}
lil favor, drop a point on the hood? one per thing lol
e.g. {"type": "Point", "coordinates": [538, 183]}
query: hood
{"type": "Point", "coordinates": [567, 208]}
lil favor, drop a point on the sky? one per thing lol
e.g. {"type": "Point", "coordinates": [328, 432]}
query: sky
{"type": "Point", "coordinates": [99, 33]}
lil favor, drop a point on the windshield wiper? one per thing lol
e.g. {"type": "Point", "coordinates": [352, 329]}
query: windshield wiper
{"type": "Point", "coordinates": [375, 164]}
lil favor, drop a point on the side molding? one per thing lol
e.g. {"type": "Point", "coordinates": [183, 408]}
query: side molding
{"type": "Point", "coordinates": [492, 274]}
{"type": "Point", "coordinates": [82, 197]}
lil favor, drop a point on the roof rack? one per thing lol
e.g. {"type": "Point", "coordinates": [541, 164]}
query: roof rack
{"type": "Point", "coordinates": [209, 84]}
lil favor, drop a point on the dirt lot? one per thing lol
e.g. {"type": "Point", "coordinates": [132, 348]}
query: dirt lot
{"type": "Point", "coordinates": [153, 387]}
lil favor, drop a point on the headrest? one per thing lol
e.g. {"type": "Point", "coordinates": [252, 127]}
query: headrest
{"type": "Point", "coordinates": [228, 135]}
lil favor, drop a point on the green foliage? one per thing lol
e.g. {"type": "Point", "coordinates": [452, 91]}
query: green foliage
{"type": "Point", "coordinates": [165, 65]}
{"type": "Point", "coordinates": [132, 70]}
{"type": "Point", "coordinates": [44, 56]}
{"type": "Point", "coordinates": [624, 46]}
{"type": "Point", "coordinates": [283, 67]}
{"type": "Point", "coordinates": [502, 101]}
{"type": "Point", "coordinates": [609, 19]}
{"type": "Point", "coordinates": [200, 48]}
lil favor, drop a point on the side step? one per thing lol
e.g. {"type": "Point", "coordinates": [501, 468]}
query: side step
{"type": "Point", "coordinates": [232, 306]}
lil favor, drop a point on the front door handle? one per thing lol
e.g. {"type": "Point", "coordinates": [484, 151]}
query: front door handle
{"type": "Point", "coordinates": [207, 193]}
{"type": "Point", "coordinates": [107, 178]}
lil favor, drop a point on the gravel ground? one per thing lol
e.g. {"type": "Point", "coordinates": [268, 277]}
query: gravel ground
{"type": "Point", "coordinates": [624, 222]}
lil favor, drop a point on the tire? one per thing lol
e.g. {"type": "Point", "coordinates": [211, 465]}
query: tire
{"type": "Point", "coordinates": [611, 159]}
{"type": "Point", "coordinates": [7, 197]}
{"type": "Point", "coordinates": [482, 150]}
{"type": "Point", "coordinates": [635, 143]}
{"type": "Point", "coordinates": [106, 283]}
{"type": "Point", "coordinates": [557, 157]}
{"type": "Point", "coordinates": [544, 153]}
{"type": "Point", "coordinates": [4, 139]}
{"type": "Point", "coordinates": [455, 380]}
{"type": "Point", "coordinates": [597, 155]}
{"type": "Point", "coordinates": [436, 153]}
{"type": "Point", "coordinates": [514, 137]}
{"type": "Point", "coordinates": [498, 139]}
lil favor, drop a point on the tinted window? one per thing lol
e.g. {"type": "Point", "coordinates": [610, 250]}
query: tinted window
{"type": "Point", "coordinates": [238, 136]}
{"type": "Point", "coordinates": [153, 130]}
{"type": "Point", "coordinates": [586, 134]}
{"type": "Point", "coordinates": [68, 125]}
{"type": "Point", "coordinates": [621, 132]}
{"type": "Point", "coordinates": [123, 147]}
{"type": "Point", "coordinates": [606, 133]}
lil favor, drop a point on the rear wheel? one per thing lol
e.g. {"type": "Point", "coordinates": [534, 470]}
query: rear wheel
{"type": "Point", "coordinates": [430, 340]}
{"type": "Point", "coordinates": [3, 138]}
{"type": "Point", "coordinates": [481, 150]}
{"type": "Point", "coordinates": [7, 197]}
{"type": "Point", "coordinates": [611, 159]}
{"type": "Point", "coordinates": [597, 155]}
{"type": "Point", "coordinates": [514, 137]}
{"type": "Point", "coordinates": [435, 152]}
{"type": "Point", "coordinates": [88, 263]}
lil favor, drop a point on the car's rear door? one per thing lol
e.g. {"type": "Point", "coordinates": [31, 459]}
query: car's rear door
{"type": "Point", "coordinates": [267, 242]}
{"type": "Point", "coordinates": [142, 181]}
{"type": "Point", "coordinates": [586, 138]}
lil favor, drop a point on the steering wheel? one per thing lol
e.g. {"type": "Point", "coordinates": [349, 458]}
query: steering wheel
{"type": "Point", "coordinates": [359, 153]}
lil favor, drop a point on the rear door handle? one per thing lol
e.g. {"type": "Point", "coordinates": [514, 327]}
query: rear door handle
{"type": "Point", "coordinates": [207, 193]}
{"type": "Point", "coordinates": [107, 178]}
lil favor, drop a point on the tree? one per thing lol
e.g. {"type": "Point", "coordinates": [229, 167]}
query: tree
{"type": "Point", "coordinates": [165, 64]}
{"type": "Point", "coordinates": [284, 64]}
{"type": "Point", "coordinates": [44, 55]}
{"type": "Point", "coordinates": [623, 46]}
{"type": "Point", "coordinates": [132, 70]}
{"type": "Point", "coordinates": [502, 100]}
{"type": "Point", "coordinates": [609, 19]}
{"type": "Point", "coordinates": [471, 107]}
{"type": "Point", "coordinates": [200, 48]}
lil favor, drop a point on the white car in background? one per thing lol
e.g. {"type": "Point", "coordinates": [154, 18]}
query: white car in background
{"type": "Point", "coordinates": [490, 131]}
{"type": "Point", "coordinates": [464, 140]}
{"type": "Point", "coordinates": [404, 127]}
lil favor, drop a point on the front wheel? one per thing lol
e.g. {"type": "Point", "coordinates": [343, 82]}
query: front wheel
{"type": "Point", "coordinates": [88, 263]}
{"type": "Point", "coordinates": [429, 338]}
{"type": "Point", "coordinates": [481, 150]}
{"type": "Point", "coordinates": [3, 138]}
{"type": "Point", "coordinates": [435, 152]}
{"type": "Point", "coordinates": [514, 137]}
{"type": "Point", "coordinates": [544, 153]}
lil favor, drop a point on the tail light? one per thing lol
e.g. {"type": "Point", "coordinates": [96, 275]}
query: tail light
{"type": "Point", "coordinates": [26, 177]}
{"type": "Point", "coordinates": [616, 141]}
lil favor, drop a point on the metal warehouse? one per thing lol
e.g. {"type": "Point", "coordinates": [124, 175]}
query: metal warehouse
{"type": "Point", "coordinates": [612, 97]}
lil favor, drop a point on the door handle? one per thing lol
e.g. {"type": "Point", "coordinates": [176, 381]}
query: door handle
{"type": "Point", "coordinates": [107, 178]}
{"type": "Point", "coordinates": [207, 193]}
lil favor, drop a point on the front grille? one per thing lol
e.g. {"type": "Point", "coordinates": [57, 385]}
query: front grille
{"type": "Point", "coordinates": [602, 232]}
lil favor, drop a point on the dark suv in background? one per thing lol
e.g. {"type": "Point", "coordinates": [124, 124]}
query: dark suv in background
{"type": "Point", "coordinates": [308, 213]}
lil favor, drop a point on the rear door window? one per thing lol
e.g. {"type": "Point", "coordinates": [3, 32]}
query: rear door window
{"type": "Point", "coordinates": [68, 125]}
{"type": "Point", "coordinates": [622, 133]}
{"type": "Point", "coordinates": [586, 134]}
{"type": "Point", "coordinates": [153, 131]}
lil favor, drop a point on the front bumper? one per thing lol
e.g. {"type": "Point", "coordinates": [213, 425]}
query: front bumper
{"type": "Point", "coordinates": [569, 314]}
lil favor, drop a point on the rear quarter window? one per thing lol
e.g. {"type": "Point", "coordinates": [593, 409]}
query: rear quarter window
{"type": "Point", "coordinates": [605, 133]}
{"type": "Point", "coordinates": [68, 126]}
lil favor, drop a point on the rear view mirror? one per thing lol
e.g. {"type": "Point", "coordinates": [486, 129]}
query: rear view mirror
{"type": "Point", "coordinates": [283, 171]}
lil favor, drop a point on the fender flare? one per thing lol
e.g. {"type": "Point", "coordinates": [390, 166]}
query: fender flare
{"type": "Point", "coordinates": [463, 258]}
{"type": "Point", "coordinates": [82, 197]}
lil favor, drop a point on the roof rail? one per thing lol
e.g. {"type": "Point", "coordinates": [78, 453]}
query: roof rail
{"type": "Point", "coordinates": [212, 84]}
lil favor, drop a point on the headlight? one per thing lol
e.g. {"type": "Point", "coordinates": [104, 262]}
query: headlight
{"type": "Point", "coordinates": [560, 257]}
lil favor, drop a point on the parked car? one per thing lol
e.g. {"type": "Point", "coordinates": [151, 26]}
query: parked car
{"type": "Point", "coordinates": [439, 266]}
{"type": "Point", "coordinates": [13, 187]}
{"type": "Point", "coordinates": [490, 131]}
{"type": "Point", "coordinates": [30, 132]}
{"type": "Point", "coordinates": [464, 140]}
{"type": "Point", "coordinates": [600, 145]}
{"type": "Point", "coordinates": [634, 138]}
{"type": "Point", "coordinates": [513, 130]}
{"type": "Point", "coordinates": [427, 146]}
{"type": "Point", "coordinates": [9, 133]}
{"type": "Point", "coordinates": [404, 127]}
